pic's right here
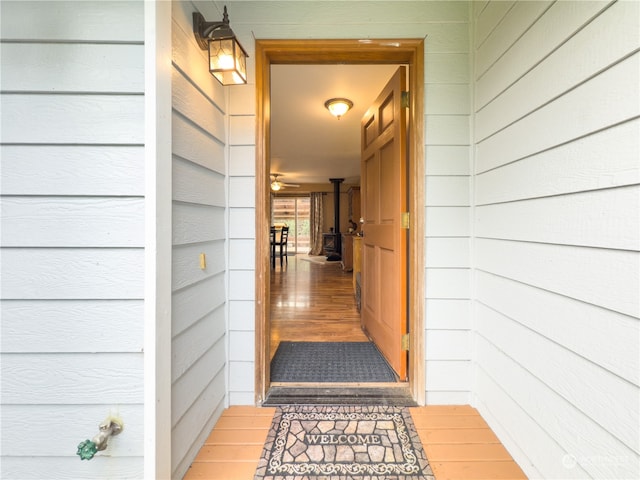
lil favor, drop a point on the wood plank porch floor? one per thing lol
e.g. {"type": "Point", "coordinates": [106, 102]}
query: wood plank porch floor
{"type": "Point", "coordinates": [458, 442]}
{"type": "Point", "coordinates": [316, 303]}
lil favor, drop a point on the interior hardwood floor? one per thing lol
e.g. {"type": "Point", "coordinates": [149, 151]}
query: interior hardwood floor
{"type": "Point", "coordinates": [458, 442]}
{"type": "Point", "coordinates": [312, 302]}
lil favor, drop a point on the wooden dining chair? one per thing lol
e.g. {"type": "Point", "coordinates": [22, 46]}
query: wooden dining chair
{"type": "Point", "coordinates": [273, 243]}
{"type": "Point", "coordinates": [283, 245]}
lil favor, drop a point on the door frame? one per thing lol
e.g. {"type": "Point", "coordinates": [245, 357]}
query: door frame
{"type": "Point", "coordinates": [350, 51]}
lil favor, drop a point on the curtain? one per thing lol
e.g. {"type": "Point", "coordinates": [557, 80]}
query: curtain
{"type": "Point", "coordinates": [316, 220]}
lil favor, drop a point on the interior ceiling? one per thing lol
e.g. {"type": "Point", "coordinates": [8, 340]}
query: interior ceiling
{"type": "Point", "coordinates": [308, 144]}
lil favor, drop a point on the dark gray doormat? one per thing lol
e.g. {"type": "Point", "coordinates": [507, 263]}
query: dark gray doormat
{"type": "Point", "coordinates": [330, 362]}
{"type": "Point", "coordinates": [343, 442]}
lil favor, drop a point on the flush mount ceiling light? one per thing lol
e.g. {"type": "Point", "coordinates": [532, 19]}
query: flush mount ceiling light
{"type": "Point", "coordinates": [227, 58]}
{"type": "Point", "coordinates": [338, 106]}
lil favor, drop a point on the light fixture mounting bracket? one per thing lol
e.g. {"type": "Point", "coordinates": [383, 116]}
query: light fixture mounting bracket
{"type": "Point", "coordinates": [203, 30]}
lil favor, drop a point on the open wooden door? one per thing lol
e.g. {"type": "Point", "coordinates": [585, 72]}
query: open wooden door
{"type": "Point", "coordinates": [384, 244]}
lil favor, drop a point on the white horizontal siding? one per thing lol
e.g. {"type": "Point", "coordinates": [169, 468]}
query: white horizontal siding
{"type": "Point", "coordinates": [447, 107]}
{"type": "Point", "coordinates": [448, 160]}
{"type": "Point", "coordinates": [447, 252]}
{"type": "Point", "coordinates": [447, 247]}
{"type": "Point", "coordinates": [241, 383]}
{"type": "Point", "coordinates": [444, 314]}
{"type": "Point", "coordinates": [196, 145]}
{"type": "Point", "coordinates": [41, 420]}
{"type": "Point", "coordinates": [589, 219]}
{"type": "Point", "coordinates": [83, 67]}
{"type": "Point", "coordinates": [243, 314]}
{"type": "Point", "coordinates": [198, 421]}
{"type": "Point", "coordinates": [35, 326]}
{"type": "Point", "coordinates": [190, 102]}
{"type": "Point", "coordinates": [519, 54]}
{"type": "Point", "coordinates": [195, 341]}
{"type": "Point", "coordinates": [72, 174]}
{"type": "Point", "coordinates": [80, 22]}
{"type": "Point", "coordinates": [193, 223]}
{"type": "Point", "coordinates": [445, 68]}
{"type": "Point", "coordinates": [68, 468]}
{"type": "Point", "coordinates": [577, 272]}
{"type": "Point", "coordinates": [200, 299]}
{"type": "Point", "coordinates": [189, 385]}
{"type": "Point", "coordinates": [448, 345]}
{"type": "Point", "coordinates": [500, 26]}
{"type": "Point", "coordinates": [193, 183]}
{"type": "Point", "coordinates": [448, 283]}
{"type": "Point", "coordinates": [501, 410]}
{"type": "Point", "coordinates": [577, 326]}
{"type": "Point", "coordinates": [72, 119]}
{"type": "Point", "coordinates": [88, 273]}
{"type": "Point", "coordinates": [187, 269]}
{"type": "Point", "coordinates": [71, 379]}
{"type": "Point", "coordinates": [242, 245]}
{"type": "Point", "coordinates": [447, 191]}
{"type": "Point", "coordinates": [561, 422]}
{"type": "Point", "coordinates": [492, 14]}
{"type": "Point", "coordinates": [240, 257]}
{"type": "Point", "coordinates": [72, 170]}
{"type": "Point", "coordinates": [575, 111]}
{"type": "Point", "coordinates": [556, 253]}
{"type": "Point", "coordinates": [606, 159]}
{"type": "Point", "coordinates": [199, 195]}
{"type": "Point", "coordinates": [522, 344]}
{"type": "Point", "coordinates": [242, 160]}
{"type": "Point", "coordinates": [579, 58]}
{"type": "Point", "coordinates": [72, 222]}
{"type": "Point", "coordinates": [448, 221]}
{"type": "Point", "coordinates": [449, 376]}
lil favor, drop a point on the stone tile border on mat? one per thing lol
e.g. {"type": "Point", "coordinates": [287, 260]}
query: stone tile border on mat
{"type": "Point", "coordinates": [320, 442]}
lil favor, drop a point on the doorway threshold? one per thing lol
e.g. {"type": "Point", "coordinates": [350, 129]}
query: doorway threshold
{"type": "Point", "coordinates": [397, 394]}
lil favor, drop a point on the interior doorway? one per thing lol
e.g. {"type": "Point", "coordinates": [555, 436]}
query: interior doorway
{"type": "Point", "coordinates": [410, 52]}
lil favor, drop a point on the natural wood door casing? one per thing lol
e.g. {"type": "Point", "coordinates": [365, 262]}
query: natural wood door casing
{"type": "Point", "coordinates": [384, 249]}
{"type": "Point", "coordinates": [351, 51]}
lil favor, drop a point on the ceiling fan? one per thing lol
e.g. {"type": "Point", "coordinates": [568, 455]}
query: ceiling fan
{"type": "Point", "coordinates": [277, 185]}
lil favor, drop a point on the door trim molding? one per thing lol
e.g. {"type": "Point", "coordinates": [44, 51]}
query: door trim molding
{"type": "Point", "coordinates": [374, 51]}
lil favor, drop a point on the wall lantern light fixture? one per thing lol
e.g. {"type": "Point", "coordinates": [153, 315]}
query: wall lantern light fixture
{"type": "Point", "coordinates": [338, 106]}
{"type": "Point", "coordinates": [227, 58]}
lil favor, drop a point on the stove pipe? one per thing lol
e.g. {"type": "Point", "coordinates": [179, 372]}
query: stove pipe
{"type": "Point", "coordinates": [336, 212]}
{"type": "Point", "coordinates": [336, 203]}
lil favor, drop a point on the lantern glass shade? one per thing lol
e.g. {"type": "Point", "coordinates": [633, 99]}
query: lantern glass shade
{"type": "Point", "coordinates": [227, 61]}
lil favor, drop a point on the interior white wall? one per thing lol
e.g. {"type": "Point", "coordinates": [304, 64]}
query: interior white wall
{"type": "Point", "coordinates": [556, 234]}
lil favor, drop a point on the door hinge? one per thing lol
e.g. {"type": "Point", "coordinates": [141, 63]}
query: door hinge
{"type": "Point", "coordinates": [405, 342]}
{"type": "Point", "coordinates": [405, 100]}
{"type": "Point", "coordinates": [405, 220]}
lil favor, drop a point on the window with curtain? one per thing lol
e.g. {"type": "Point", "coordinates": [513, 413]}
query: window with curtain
{"type": "Point", "coordinates": [293, 211]}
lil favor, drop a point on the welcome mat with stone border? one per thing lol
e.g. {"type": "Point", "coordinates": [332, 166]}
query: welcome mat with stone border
{"type": "Point", "coordinates": [320, 442]}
